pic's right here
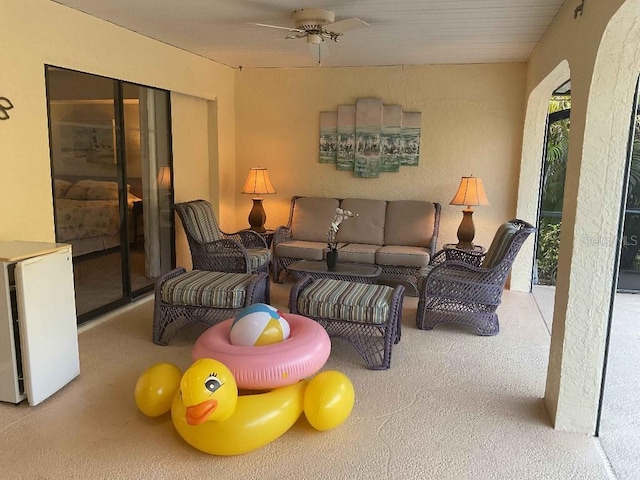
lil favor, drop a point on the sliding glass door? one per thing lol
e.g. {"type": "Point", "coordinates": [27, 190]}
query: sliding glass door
{"type": "Point", "coordinates": [112, 188]}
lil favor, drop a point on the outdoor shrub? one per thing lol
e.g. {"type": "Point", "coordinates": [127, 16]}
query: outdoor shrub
{"type": "Point", "coordinates": [547, 255]}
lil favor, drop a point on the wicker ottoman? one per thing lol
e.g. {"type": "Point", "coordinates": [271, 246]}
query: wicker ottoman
{"type": "Point", "coordinates": [369, 317]}
{"type": "Point", "coordinates": [183, 298]}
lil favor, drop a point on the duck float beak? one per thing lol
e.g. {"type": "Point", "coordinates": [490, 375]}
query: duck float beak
{"type": "Point", "coordinates": [197, 414]}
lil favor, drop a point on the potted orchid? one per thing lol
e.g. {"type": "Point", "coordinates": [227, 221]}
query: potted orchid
{"type": "Point", "coordinates": [332, 244]}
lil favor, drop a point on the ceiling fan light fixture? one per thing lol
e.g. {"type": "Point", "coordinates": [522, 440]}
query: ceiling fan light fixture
{"type": "Point", "coordinates": [318, 26]}
{"type": "Point", "coordinates": [313, 18]}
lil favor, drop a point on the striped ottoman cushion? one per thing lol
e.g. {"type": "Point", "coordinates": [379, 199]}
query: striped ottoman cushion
{"type": "Point", "coordinates": [337, 299]}
{"type": "Point", "coordinates": [199, 288]}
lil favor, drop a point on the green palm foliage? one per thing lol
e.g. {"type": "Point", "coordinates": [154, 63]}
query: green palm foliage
{"type": "Point", "coordinates": [554, 175]}
{"type": "Point", "coordinates": [631, 230]}
{"type": "Point", "coordinates": [553, 191]}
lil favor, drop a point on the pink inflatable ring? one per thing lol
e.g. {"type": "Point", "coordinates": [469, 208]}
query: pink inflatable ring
{"type": "Point", "coordinates": [268, 366]}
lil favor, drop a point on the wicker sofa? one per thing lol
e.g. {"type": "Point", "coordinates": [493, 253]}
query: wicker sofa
{"type": "Point", "coordinates": [400, 236]}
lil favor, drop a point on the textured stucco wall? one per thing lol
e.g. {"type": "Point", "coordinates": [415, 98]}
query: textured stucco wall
{"type": "Point", "coordinates": [603, 60]}
{"type": "Point", "coordinates": [472, 120]}
{"type": "Point", "coordinates": [531, 168]}
{"type": "Point", "coordinates": [40, 32]}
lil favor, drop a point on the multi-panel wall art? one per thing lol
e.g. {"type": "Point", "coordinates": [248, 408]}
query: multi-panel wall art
{"type": "Point", "coordinates": [369, 137]}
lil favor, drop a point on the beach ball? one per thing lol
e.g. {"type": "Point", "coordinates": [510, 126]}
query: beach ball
{"type": "Point", "coordinates": [258, 324]}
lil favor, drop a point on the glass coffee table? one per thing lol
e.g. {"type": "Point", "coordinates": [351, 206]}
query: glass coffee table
{"type": "Point", "coordinates": [351, 272]}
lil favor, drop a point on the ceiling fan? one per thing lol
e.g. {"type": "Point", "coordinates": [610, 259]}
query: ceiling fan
{"type": "Point", "coordinates": [317, 26]}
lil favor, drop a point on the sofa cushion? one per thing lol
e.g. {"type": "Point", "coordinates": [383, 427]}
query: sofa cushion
{"type": "Point", "coordinates": [301, 250]}
{"type": "Point", "coordinates": [410, 223]}
{"type": "Point", "coordinates": [358, 253]}
{"type": "Point", "coordinates": [401, 256]}
{"type": "Point", "coordinates": [368, 226]}
{"type": "Point", "coordinates": [312, 217]}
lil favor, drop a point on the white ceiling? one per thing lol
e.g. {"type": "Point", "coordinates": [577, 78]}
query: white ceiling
{"type": "Point", "coordinates": [401, 32]}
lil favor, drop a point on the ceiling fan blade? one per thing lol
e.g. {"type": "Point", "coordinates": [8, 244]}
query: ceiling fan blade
{"type": "Point", "coordinates": [289, 29]}
{"type": "Point", "coordinates": [319, 51]}
{"type": "Point", "coordinates": [346, 25]}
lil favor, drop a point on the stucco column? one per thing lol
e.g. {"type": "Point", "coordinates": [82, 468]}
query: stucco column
{"type": "Point", "coordinates": [602, 104]}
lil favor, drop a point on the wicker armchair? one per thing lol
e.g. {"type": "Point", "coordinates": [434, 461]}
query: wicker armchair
{"type": "Point", "coordinates": [465, 287]}
{"type": "Point", "coordinates": [212, 249]}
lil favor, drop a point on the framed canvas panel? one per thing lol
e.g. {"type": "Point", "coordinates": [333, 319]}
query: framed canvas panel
{"type": "Point", "coordinates": [390, 138]}
{"type": "Point", "coordinates": [368, 129]}
{"type": "Point", "coordinates": [328, 137]}
{"type": "Point", "coordinates": [345, 158]}
{"type": "Point", "coordinates": [410, 153]}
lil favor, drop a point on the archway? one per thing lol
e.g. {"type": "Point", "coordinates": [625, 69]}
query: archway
{"type": "Point", "coordinates": [603, 75]}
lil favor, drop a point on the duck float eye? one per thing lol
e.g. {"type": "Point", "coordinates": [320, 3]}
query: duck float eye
{"type": "Point", "coordinates": [212, 383]}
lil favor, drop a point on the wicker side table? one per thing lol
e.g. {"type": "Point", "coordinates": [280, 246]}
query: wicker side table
{"type": "Point", "coordinates": [476, 248]}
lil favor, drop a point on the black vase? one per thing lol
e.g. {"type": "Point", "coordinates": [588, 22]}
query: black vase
{"type": "Point", "coordinates": [332, 259]}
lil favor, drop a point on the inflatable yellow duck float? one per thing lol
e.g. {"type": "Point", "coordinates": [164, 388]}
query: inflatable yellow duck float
{"type": "Point", "coordinates": [210, 414]}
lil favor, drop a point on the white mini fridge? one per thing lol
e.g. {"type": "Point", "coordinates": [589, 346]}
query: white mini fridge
{"type": "Point", "coordinates": [38, 326]}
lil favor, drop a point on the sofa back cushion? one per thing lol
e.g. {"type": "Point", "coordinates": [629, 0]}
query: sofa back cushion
{"type": "Point", "coordinates": [410, 223]}
{"type": "Point", "coordinates": [312, 217]}
{"type": "Point", "coordinates": [368, 226]}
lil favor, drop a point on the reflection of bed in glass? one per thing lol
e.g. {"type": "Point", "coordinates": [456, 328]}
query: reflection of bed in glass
{"type": "Point", "coordinates": [88, 214]}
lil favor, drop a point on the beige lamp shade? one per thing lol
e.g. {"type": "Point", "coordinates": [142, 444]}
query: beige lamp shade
{"type": "Point", "coordinates": [258, 183]}
{"type": "Point", "coordinates": [470, 192]}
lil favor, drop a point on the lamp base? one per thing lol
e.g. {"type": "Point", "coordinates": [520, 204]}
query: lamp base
{"type": "Point", "coordinates": [466, 230]}
{"type": "Point", "coordinates": [257, 216]}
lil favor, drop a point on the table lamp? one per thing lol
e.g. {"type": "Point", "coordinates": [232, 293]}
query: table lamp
{"type": "Point", "coordinates": [164, 178]}
{"type": "Point", "coordinates": [258, 183]}
{"type": "Point", "coordinates": [470, 192]}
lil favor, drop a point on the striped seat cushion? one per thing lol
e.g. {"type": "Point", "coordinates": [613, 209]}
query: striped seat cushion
{"type": "Point", "coordinates": [340, 300]}
{"type": "Point", "coordinates": [207, 289]}
{"type": "Point", "coordinates": [258, 257]}
{"type": "Point", "coordinates": [500, 244]}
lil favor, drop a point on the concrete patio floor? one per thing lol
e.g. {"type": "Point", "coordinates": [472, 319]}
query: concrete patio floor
{"type": "Point", "coordinates": [620, 421]}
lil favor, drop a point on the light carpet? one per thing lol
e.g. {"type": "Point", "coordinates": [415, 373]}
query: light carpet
{"type": "Point", "coordinates": [454, 405]}
{"type": "Point", "coordinates": [620, 417]}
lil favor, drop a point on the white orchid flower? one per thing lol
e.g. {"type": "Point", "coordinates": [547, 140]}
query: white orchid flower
{"type": "Point", "coordinates": [335, 225]}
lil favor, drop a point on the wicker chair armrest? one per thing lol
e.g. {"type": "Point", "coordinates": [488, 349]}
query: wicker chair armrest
{"type": "Point", "coordinates": [281, 234]}
{"type": "Point", "coordinates": [457, 255]}
{"type": "Point", "coordinates": [227, 246]}
{"type": "Point", "coordinates": [453, 279]}
{"type": "Point", "coordinates": [258, 288]}
{"type": "Point", "coordinates": [247, 238]}
{"type": "Point", "coordinates": [225, 255]}
{"type": "Point", "coordinates": [453, 271]}
{"type": "Point", "coordinates": [463, 283]}
{"type": "Point", "coordinates": [300, 285]}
